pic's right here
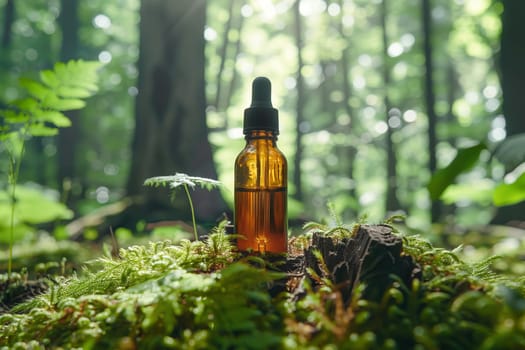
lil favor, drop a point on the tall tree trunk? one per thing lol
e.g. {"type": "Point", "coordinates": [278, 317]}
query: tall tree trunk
{"type": "Point", "coordinates": [170, 132]}
{"type": "Point", "coordinates": [298, 34]}
{"type": "Point", "coordinates": [223, 53]}
{"type": "Point", "coordinates": [351, 150]}
{"type": "Point", "coordinates": [392, 203]}
{"type": "Point", "coordinates": [512, 66]}
{"type": "Point", "coordinates": [9, 19]}
{"type": "Point", "coordinates": [435, 207]}
{"type": "Point", "coordinates": [234, 77]}
{"type": "Point", "coordinates": [452, 93]}
{"type": "Point", "coordinates": [68, 138]}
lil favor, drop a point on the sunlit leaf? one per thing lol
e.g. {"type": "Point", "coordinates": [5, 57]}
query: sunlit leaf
{"type": "Point", "coordinates": [507, 194]}
{"type": "Point", "coordinates": [74, 92]}
{"type": "Point", "coordinates": [480, 191]}
{"type": "Point", "coordinates": [13, 117]}
{"type": "Point", "coordinates": [49, 78]}
{"type": "Point", "coordinates": [465, 159]}
{"type": "Point", "coordinates": [27, 104]}
{"type": "Point", "coordinates": [34, 88]}
{"type": "Point", "coordinates": [179, 179]}
{"type": "Point", "coordinates": [55, 117]}
{"type": "Point", "coordinates": [6, 134]}
{"type": "Point", "coordinates": [20, 231]}
{"type": "Point", "coordinates": [34, 205]}
{"type": "Point", "coordinates": [39, 129]}
{"type": "Point", "coordinates": [61, 104]}
{"type": "Point", "coordinates": [82, 74]}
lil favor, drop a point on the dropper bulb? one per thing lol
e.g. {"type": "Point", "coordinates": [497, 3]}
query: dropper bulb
{"type": "Point", "coordinates": [261, 93]}
{"type": "Point", "coordinates": [261, 115]}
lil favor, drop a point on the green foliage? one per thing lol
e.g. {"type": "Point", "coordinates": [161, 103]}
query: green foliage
{"type": "Point", "coordinates": [507, 194]}
{"type": "Point", "coordinates": [509, 152]}
{"type": "Point", "coordinates": [180, 179]}
{"type": "Point", "coordinates": [465, 159]}
{"type": "Point", "coordinates": [57, 90]}
{"type": "Point", "coordinates": [158, 296]}
{"type": "Point", "coordinates": [199, 295]}
{"type": "Point", "coordinates": [40, 114]}
{"type": "Point", "coordinates": [185, 181]}
{"type": "Point", "coordinates": [33, 206]}
{"type": "Point", "coordinates": [454, 305]}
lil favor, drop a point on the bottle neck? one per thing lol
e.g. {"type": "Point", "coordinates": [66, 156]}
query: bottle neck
{"type": "Point", "coordinates": [260, 135]}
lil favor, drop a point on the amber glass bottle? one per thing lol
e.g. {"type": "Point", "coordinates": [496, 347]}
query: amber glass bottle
{"type": "Point", "coordinates": [261, 178]}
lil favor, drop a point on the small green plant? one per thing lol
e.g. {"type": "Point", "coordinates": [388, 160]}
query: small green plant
{"type": "Point", "coordinates": [197, 295]}
{"type": "Point", "coordinates": [40, 114]}
{"type": "Point", "coordinates": [186, 181]}
{"type": "Point", "coordinates": [510, 153]}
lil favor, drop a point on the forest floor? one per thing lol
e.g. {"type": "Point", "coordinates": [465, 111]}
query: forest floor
{"type": "Point", "coordinates": [338, 288]}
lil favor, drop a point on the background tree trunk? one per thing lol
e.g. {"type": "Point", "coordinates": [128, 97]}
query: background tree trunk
{"type": "Point", "coordinates": [392, 202]}
{"type": "Point", "coordinates": [9, 19]}
{"type": "Point", "coordinates": [512, 66]}
{"type": "Point", "coordinates": [234, 76]}
{"type": "Point", "coordinates": [298, 35]}
{"type": "Point", "coordinates": [351, 150]}
{"type": "Point", "coordinates": [68, 138]}
{"type": "Point", "coordinates": [171, 133]}
{"type": "Point", "coordinates": [223, 56]}
{"type": "Point", "coordinates": [435, 207]}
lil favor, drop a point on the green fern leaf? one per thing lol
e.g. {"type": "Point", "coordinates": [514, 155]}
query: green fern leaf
{"type": "Point", "coordinates": [180, 179]}
{"type": "Point", "coordinates": [55, 117]}
{"type": "Point", "coordinates": [73, 92]}
{"type": "Point", "coordinates": [60, 104]}
{"type": "Point", "coordinates": [13, 117]}
{"type": "Point", "coordinates": [39, 129]}
{"type": "Point", "coordinates": [28, 104]}
{"type": "Point", "coordinates": [49, 78]}
{"type": "Point", "coordinates": [79, 74]}
{"type": "Point", "coordinates": [34, 88]}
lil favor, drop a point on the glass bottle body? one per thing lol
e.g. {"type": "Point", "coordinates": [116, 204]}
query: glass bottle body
{"type": "Point", "coordinates": [261, 195]}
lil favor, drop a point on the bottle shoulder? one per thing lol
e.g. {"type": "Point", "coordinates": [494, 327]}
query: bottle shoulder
{"type": "Point", "coordinates": [254, 152]}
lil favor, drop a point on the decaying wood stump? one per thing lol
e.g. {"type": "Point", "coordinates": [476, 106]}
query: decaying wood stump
{"type": "Point", "coordinates": [372, 256]}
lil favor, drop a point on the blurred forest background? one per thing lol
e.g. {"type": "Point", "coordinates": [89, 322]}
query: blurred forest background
{"type": "Point", "coordinates": [374, 98]}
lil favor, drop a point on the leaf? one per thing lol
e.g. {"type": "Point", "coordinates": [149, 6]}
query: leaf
{"type": "Point", "coordinates": [60, 104]}
{"type": "Point", "coordinates": [179, 179]}
{"type": "Point", "coordinates": [34, 88]}
{"type": "Point", "coordinates": [74, 92]}
{"type": "Point", "coordinates": [79, 73]}
{"type": "Point", "coordinates": [27, 104]}
{"type": "Point", "coordinates": [49, 78]}
{"type": "Point", "coordinates": [55, 117]}
{"type": "Point", "coordinates": [465, 159]}
{"type": "Point", "coordinates": [507, 194]}
{"type": "Point", "coordinates": [39, 129]}
{"type": "Point", "coordinates": [12, 117]}
{"type": "Point", "coordinates": [6, 134]}
{"type": "Point", "coordinates": [34, 205]}
{"type": "Point", "coordinates": [479, 191]}
{"type": "Point", "coordinates": [511, 151]}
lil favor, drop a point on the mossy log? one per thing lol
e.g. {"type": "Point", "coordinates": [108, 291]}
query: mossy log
{"type": "Point", "coordinates": [372, 256]}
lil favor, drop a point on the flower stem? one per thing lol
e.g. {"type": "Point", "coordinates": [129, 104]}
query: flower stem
{"type": "Point", "coordinates": [14, 170]}
{"type": "Point", "coordinates": [192, 212]}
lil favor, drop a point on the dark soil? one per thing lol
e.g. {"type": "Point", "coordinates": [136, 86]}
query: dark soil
{"type": "Point", "coordinates": [16, 292]}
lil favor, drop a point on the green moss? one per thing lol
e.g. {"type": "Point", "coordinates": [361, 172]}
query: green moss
{"type": "Point", "coordinates": [203, 295]}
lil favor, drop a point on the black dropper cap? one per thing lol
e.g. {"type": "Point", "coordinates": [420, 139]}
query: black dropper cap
{"type": "Point", "coordinates": [261, 115]}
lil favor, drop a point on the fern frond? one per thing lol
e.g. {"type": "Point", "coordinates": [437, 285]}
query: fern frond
{"type": "Point", "coordinates": [181, 179]}
{"type": "Point", "coordinates": [482, 269]}
{"type": "Point", "coordinates": [61, 89]}
{"type": "Point", "coordinates": [311, 225]}
{"type": "Point", "coordinates": [333, 214]}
